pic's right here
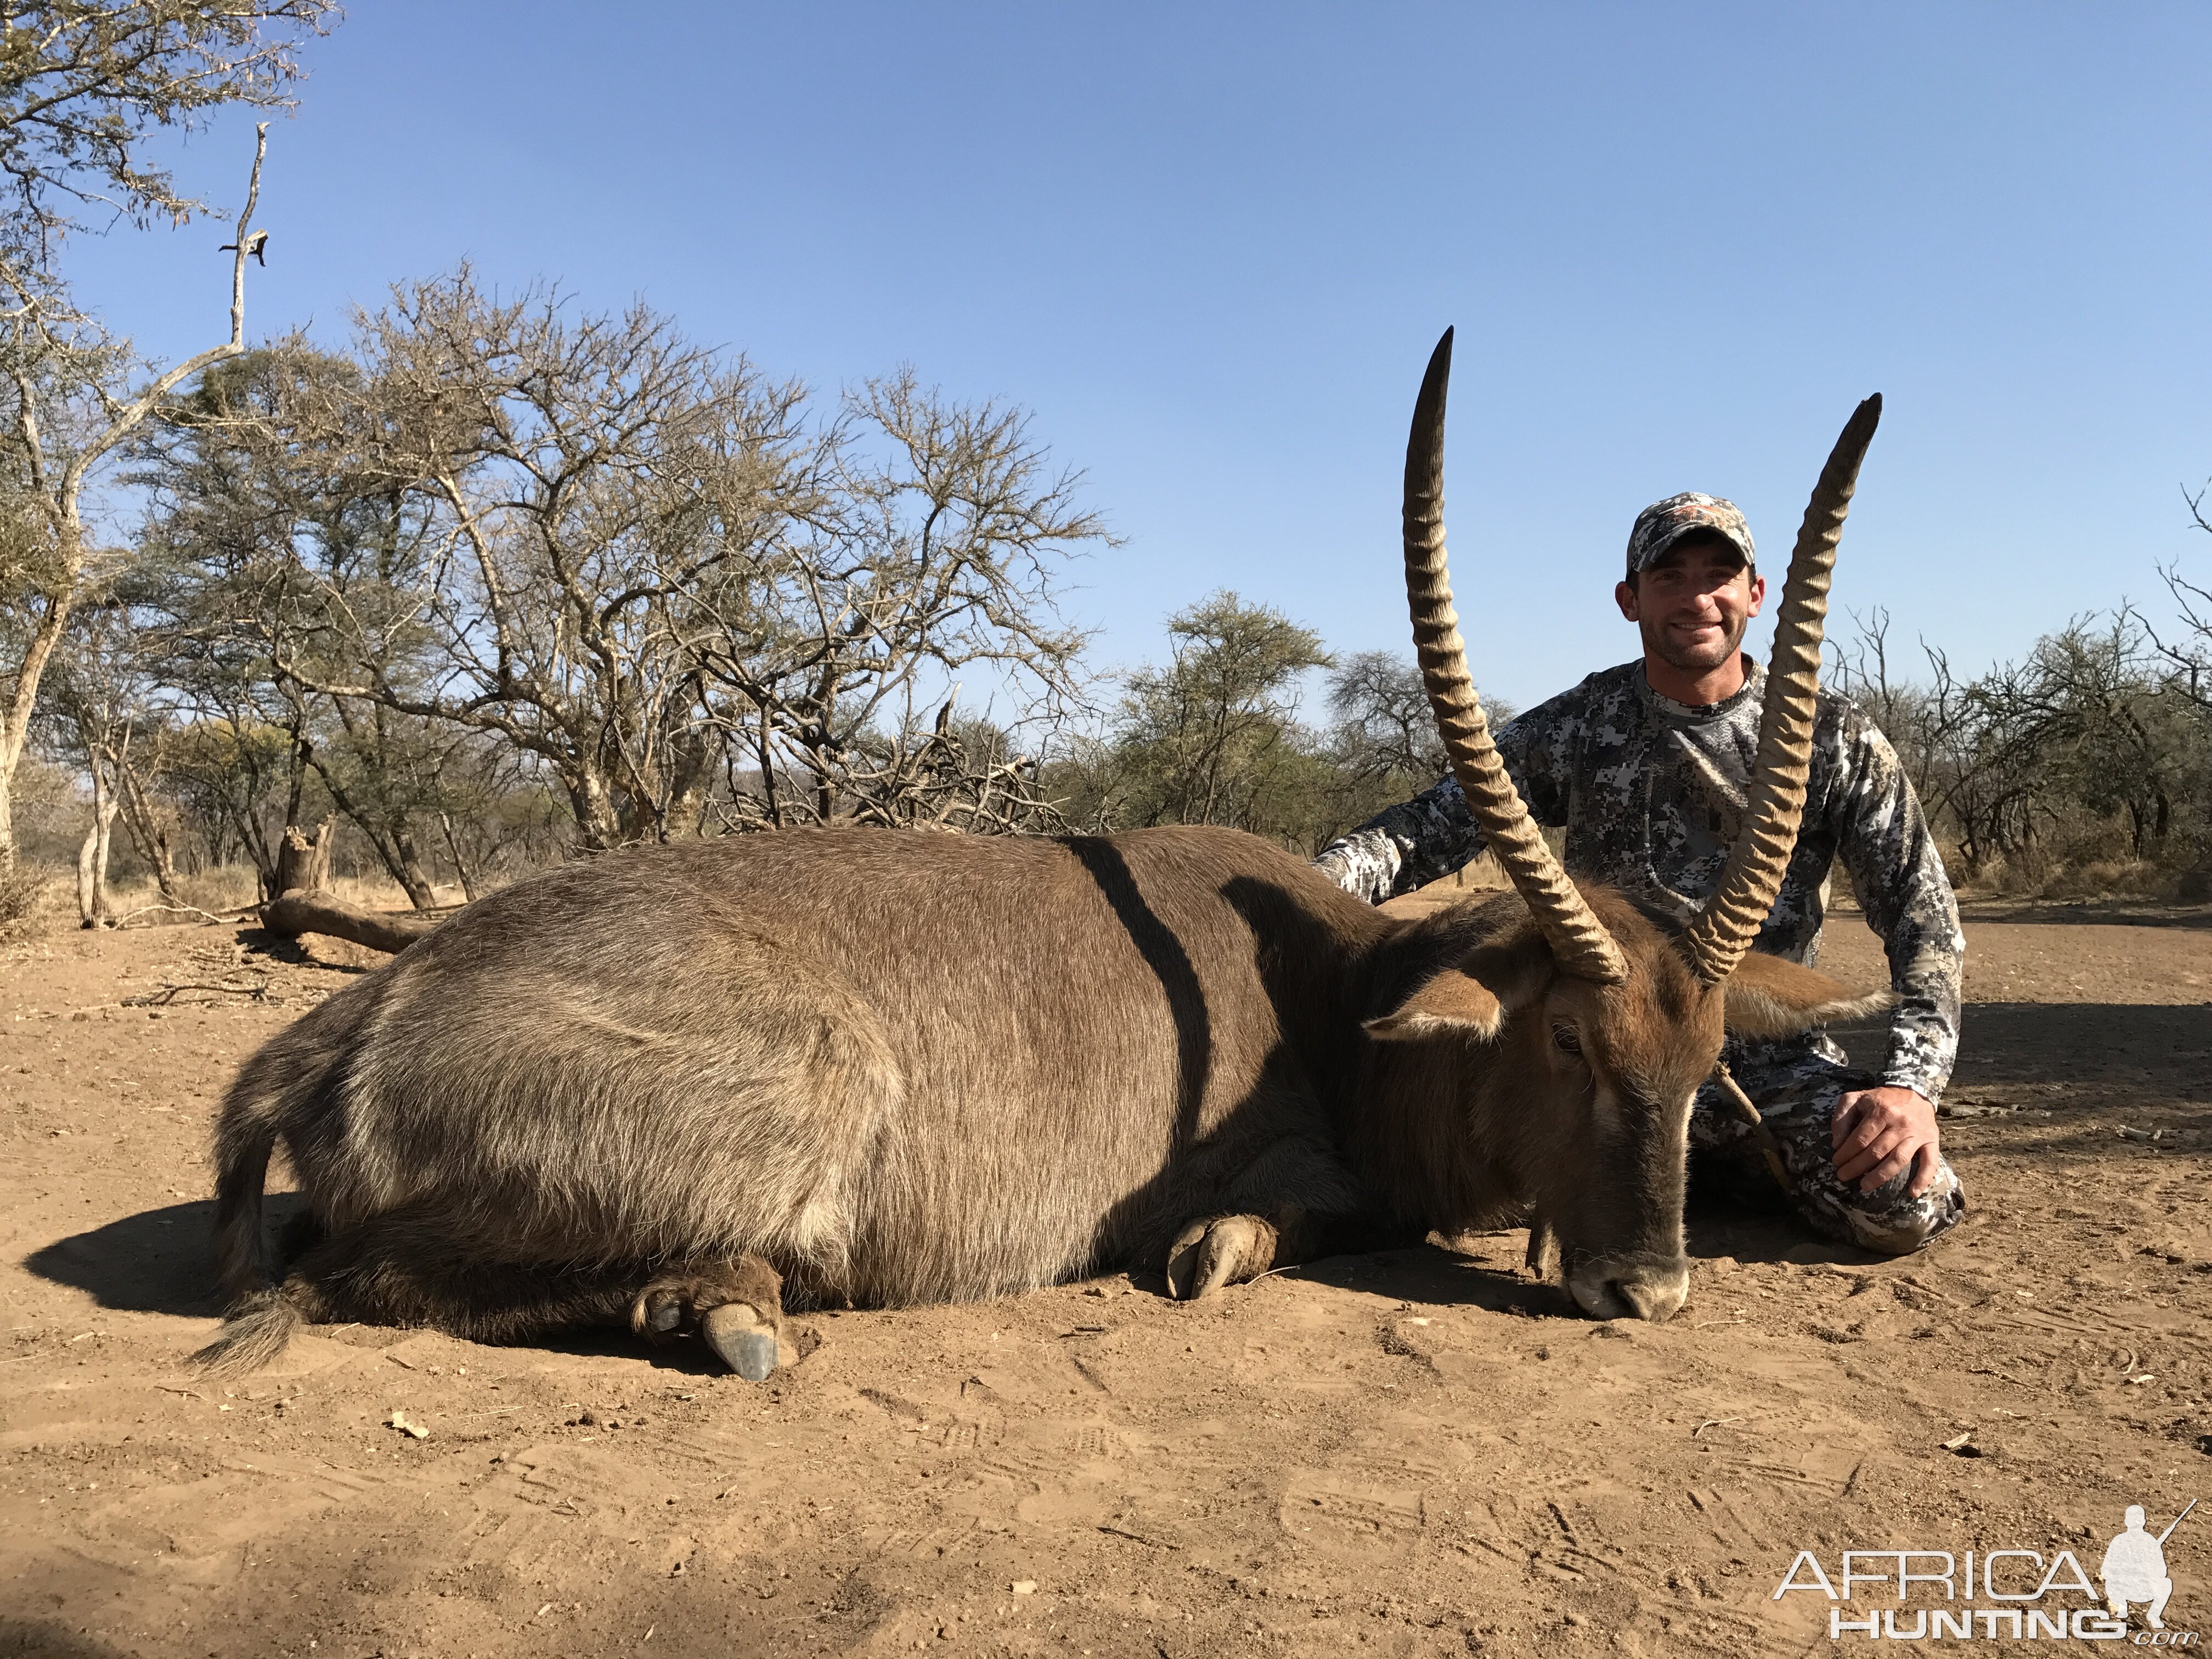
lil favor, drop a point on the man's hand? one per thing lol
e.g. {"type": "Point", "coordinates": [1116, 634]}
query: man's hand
{"type": "Point", "coordinates": [1879, 1134]}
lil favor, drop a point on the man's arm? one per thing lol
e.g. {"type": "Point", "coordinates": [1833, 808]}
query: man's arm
{"type": "Point", "coordinates": [1420, 841]}
{"type": "Point", "coordinates": [1883, 838]}
{"type": "Point", "coordinates": [1405, 846]}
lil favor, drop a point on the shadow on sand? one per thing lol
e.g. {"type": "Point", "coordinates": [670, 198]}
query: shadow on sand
{"type": "Point", "coordinates": [156, 1261]}
{"type": "Point", "coordinates": [1442, 1277]}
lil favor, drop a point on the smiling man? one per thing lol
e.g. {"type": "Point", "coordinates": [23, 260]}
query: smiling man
{"type": "Point", "coordinates": [1645, 766]}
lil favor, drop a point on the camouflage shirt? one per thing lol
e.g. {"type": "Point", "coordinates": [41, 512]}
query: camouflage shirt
{"type": "Point", "coordinates": [1649, 792]}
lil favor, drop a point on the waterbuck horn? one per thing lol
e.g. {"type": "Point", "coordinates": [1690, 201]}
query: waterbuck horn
{"type": "Point", "coordinates": [1731, 919]}
{"type": "Point", "coordinates": [1579, 942]}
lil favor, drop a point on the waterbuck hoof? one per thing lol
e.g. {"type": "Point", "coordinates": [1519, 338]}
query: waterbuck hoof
{"type": "Point", "coordinates": [1207, 1254]}
{"type": "Point", "coordinates": [745, 1342]}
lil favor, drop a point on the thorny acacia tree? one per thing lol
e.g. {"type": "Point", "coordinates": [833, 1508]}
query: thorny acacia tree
{"type": "Point", "coordinates": [267, 546]}
{"type": "Point", "coordinates": [72, 411]}
{"type": "Point", "coordinates": [2188, 655]}
{"type": "Point", "coordinates": [2089, 727]}
{"type": "Point", "coordinates": [923, 550]}
{"type": "Point", "coordinates": [81, 87]}
{"type": "Point", "coordinates": [1212, 735]}
{"type": "Point", "coordinates": [612, 550]}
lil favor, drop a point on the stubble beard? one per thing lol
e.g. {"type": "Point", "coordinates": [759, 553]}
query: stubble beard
{"type": "Point", "coordinates": [1693, 659]}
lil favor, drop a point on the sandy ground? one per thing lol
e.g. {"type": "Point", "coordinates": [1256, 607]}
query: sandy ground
{"type": "Point", "coordinates": [1415, 1454]}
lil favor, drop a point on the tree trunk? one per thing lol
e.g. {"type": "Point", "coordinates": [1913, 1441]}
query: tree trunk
{"type": "Point", "coordinates": [92, 907]}
{"type": "Point", "coordinates": [87, 915]}
{"type": "Point", "coordinates": [408, 867]}
{"type": "Point", "coordinates": [149, 835]}
{"type": "Point", "coordinates": [253, 839]}
{"type": "Point", "coordinates": [589, 797]}
{"type": "Point", "coordinates": [298, 913]}
{"type": "Point", "coordinates": [303, 862]}
{"type": "Point", "coordinates": [693, 756]}
{"type": "Point", "coordinates": [37, 651]}
{"type": "Point", "coordinates": [7, 811]}
{"type": "Point", "coordinates": [393, 841]}
{"type": "Point", "coordinates": [460, 865]}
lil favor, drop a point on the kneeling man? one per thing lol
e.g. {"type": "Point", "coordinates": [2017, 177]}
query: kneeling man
{"type": "Point", "coordinates": [1645, 766]}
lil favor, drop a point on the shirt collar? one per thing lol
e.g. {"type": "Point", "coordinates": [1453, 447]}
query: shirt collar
{"type": "Point", "coordinates": [1687, 714]}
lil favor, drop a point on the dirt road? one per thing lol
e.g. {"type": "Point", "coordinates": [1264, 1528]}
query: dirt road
{"type": "Point", "coordinates": [1416, 1454]}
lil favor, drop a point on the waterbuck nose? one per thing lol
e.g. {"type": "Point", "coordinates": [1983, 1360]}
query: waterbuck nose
{"type": "Point", "coordinates": [1652, 1290]}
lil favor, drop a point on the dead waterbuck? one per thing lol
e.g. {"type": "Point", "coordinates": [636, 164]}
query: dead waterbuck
{"type": "Point", "coordinates": [683, 1085]}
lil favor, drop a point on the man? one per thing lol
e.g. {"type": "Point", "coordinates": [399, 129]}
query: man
{"type": "Point", "coordinates": [1645, 766]}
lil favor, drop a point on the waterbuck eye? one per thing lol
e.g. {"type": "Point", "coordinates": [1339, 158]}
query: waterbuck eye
{"type": "Point", "coordinates": [1565, 1040]}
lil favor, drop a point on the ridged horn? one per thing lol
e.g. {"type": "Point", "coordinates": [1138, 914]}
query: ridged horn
{"type": "Point", "coordinates": [1580, 944]}
{"type": "Point", "coordinates": [1731, 919]}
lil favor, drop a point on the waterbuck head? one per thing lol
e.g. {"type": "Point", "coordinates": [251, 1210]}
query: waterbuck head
{"type": "Point", "coordinates": [1601, 1022]}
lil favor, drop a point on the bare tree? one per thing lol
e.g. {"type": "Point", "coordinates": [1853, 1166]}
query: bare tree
{"type": "Point", "coordinates": [1382, 726]}
{"type": "Point", "coordinates": [2089, 726]}
{"type": "Point", "coordinates": [242, 781]}
{"type": "Point", "coordinates": [72, 412]}
{"type": "Point", "coordinates": [574, 482]}
{"type": "Point", "coordinates": [926, 549]}
{"type": "Point", "coordinates": [2189, 654]}
{"type": "Point", "coordinates": [637, 563]}
{"type": "Point", "coordinates": [102, 715]}
{"type": "Point", "coordinates": [83, 82]}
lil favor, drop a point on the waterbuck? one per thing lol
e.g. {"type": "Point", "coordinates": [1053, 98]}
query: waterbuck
{"type": "Point", "coordinates": [682, 1086]}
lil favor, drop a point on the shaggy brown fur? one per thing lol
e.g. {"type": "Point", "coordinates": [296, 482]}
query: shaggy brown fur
{"type": "Point", "coordinates": [898, 1068]}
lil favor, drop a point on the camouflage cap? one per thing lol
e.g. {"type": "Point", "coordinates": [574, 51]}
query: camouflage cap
{"type": "Point", "coordinates": [1663, 523]}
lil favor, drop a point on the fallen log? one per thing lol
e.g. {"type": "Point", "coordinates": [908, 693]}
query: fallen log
{"type": "Point", "coordinates": [299, 912]}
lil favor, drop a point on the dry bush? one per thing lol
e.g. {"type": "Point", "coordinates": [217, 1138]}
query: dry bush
{"type": "Point", "coordinates": [30, 896]}
{"type": "Point", "coordinates": [2090, 868]}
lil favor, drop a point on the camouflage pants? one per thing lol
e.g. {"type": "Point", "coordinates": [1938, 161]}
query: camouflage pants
{"type": "Point", "coordinates": [1798, 1098]}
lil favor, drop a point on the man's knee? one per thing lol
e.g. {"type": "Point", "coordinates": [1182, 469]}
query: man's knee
{"type": "Point", "coordinates": [1890, 1221]}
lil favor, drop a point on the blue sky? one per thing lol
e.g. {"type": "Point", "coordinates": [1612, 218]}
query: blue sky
{"type": "Point", "coordinates": [1211, 246]}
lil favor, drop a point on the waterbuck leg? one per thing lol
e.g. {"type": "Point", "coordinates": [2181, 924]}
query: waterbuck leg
{"type": "Point", "coordinates": [736, 1307]}
{"type": "Point", "coordinates": [1543, 1248]}
{"type": "Point", "coordinates": [1227, 1249]}
{"type": "Point", "coordinates": [1295, 1201]}
{"type": "Point", "coordinates": [418, 1266]}
{"type": "Point", "coordinates": [298, 1235]}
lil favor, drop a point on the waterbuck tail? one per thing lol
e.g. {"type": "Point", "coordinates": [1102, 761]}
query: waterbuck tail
{"type": "Point", "coordinates": [277, 1086]}
{"type": "Point", "coordinates": [260, 1325]}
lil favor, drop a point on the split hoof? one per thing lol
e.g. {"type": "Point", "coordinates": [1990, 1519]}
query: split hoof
{"type": "Point", "coordinates": [746, 1342]}
{"type": "Point", "coordinates": [1207, 1254]}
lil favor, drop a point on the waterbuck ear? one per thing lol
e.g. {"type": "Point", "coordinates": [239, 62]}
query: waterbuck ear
{"type": "Point", "coordinates": [1452, 1001]}
{"type": "Point", "coordinates": [1768, 997]}
{"type": "Point", "coordinates": [1472, 996]}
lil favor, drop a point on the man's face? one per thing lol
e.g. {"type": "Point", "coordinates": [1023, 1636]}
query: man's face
{"type": "Point", "coordinates": [1693, 604]}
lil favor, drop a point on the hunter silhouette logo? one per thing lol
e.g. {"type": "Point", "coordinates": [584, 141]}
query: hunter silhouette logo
{"type": "Point", "coordinates": [1993, 1593]}
{"type": "Point", "coordinates": [2134, 1568]}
